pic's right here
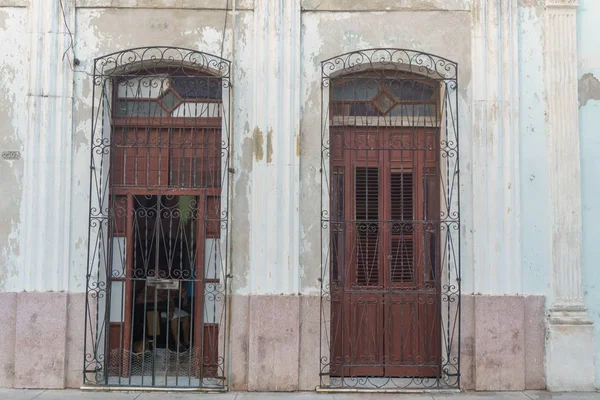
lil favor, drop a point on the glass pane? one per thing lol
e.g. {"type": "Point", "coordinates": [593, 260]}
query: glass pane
{"type": "Point", "coordinates": [413, 110]}
{"type": "Point", "coordinates": [355, 89]}
{"type": "Point", "coordinates": [383, 102]}
{"type": "Point", "coordinates": [117, 305]}
{"type": "Point", "coordinates": [364, 109]}
{"type": "Point", "coordinates": [169, 101]}
{"type": "Point", "coordinates": [409, 89]}
{"type": "Point", "coordinates": [198, 110]}
{"type": "Point", "coordinates": [198, 87]}
{"type": "Point", "coordinates": [130, 108]}
{"type": "Point", "coordinates": [147, 87]}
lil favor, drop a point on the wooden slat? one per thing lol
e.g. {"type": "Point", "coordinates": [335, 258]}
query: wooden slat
{"type": "Point", "coordinates": [367, 226]}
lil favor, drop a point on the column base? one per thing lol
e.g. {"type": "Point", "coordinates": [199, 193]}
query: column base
{"type": "Point", "coordinates": [570, 350]}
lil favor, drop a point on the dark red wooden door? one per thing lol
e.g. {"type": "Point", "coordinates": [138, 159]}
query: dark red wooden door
{"type": "Point", "coordinates": [384, 284]}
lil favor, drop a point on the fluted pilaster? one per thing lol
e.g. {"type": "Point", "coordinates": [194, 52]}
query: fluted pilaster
{"type": "Point", "coordinates": [496, 184]}
{"type": "Point", "coordinates": [275, 122]}
{"type": "Point", "coordinates": [563, 149]}
{"type": "Point", "coordinates": [48, 153]}
{"type": "Point", "coordinates": [569, 350]}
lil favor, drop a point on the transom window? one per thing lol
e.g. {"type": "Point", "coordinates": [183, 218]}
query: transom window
{"type": "Point", "coordinates": [170, 96]}
{"type": "Point", "coordinates": [366, 95]}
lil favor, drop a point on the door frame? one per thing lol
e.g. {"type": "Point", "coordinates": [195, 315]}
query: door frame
{"type": "Point", "coordinates": [108, 71]}
{"type": "Point", "coordinates": [390, 63]}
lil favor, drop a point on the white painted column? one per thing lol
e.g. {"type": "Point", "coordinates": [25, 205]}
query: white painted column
{"type": "Point", "coordinates": [496, 184]}
{"type": "Point", "coordinates": [274, 208]}
{"type": "Point", "coordinates": [48, 150]}
{"type": "Point", "coordinates": [569, 353]}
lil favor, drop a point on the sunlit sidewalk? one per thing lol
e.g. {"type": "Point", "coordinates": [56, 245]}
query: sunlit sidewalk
{"type": "Point", "coordinates": [21, 394]}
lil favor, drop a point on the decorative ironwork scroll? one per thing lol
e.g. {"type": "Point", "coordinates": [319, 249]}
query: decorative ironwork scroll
{"type": "Point", "coordinates": [390, 270]}
{"type": "Point", "coordinates": [158, 220]}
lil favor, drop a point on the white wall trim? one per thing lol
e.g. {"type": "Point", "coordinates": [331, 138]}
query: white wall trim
{"type": "Point", "coordinates": [496, 176]}
{"type": "Point", "coordinates": [569, 359]}
{"type": "Point", "coordinates": [274, 238]}
{"type": "Point", "coordinates": [48, 150]}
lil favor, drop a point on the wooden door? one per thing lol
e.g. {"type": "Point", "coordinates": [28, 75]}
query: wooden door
{"type": "Point", "coordinates": [385, 289]}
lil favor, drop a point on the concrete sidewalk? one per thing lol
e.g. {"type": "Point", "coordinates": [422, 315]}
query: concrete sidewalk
{"type": "Point", "coordinates": [19, 394]}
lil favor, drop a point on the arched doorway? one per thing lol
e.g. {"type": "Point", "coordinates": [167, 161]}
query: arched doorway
{"type": "Point", "coordinates": [390, 221]}
{"type": "Point", "coordinates": [158, 242]}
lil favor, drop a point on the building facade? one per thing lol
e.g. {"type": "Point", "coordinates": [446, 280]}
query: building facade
{"type": "Point", "coordinates": [275, 195]}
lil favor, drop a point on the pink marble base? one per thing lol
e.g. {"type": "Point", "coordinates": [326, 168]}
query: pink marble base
{"type": "Point", "coordinates": [75, 333]}
{"type": "Point", "coordinates": [309, 342]}
{"type": "Point", "coordinates": [239, 342]}
{"type": "Point", "coordinates": [40, 343]}
{"type": "Point", "coordinates": [8, 316]}
{"type": "Point", "coordinates": [274, 341]}
{"type": "Point", "coordinates": [467, 343]}
{"type": "Point", "coordinates": [274, 337]}
{"type": "Point", "coordinates": [509, 342]}
{"type": "Point", "coordinates": [535, 342]}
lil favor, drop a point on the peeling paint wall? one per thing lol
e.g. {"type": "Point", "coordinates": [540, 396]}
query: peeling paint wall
{"type": "Point", "coordinates": [13, 120]}
{"type": "Point", "coordinates": [327, 28]}
{"type": "Point", "coordinates": [386, 5]}
{"type": "Point", "coordinates": [535, 206]}
{"type": "Point", "coordinates": [97, 36]}
{"type": "Point", "coordinates": [589, 136]}
{"type": "Point", "coordinates": [327, 34]}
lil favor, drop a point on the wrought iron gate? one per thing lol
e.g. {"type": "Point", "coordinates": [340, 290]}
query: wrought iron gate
{"type": "Point", "coordinates": [390, 270]}
{"type": "Point", "coordinates": [158, 228]}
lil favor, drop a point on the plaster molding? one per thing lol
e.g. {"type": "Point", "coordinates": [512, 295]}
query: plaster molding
{"type": "Point", "coordinates": [569, 362]}
{"type": "Point", "coordinates": [274, 210]}
{"type": "Point", "coordinates": [568, 315]}
{"type": "Point", "coordinates": [562, 3]}
{"type": "Point", "coordinates": [496, 148]}
{"type": "Point", "coordinates": [562, 112]}
{"type": "Point", "coordinates": [48, 150]}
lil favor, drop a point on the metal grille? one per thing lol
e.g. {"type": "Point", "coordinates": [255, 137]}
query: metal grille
{"type": "Point", "coordinates": [158, 229]}
{"type": "Point", "coordinates": [390, 271]}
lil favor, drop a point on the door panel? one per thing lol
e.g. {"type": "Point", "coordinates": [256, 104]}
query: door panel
{"type": "Point", "coordinates": [385, 289]}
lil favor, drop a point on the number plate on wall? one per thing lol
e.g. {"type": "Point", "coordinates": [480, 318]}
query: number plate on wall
{"type": "Point", "coordinates": [11, 155]}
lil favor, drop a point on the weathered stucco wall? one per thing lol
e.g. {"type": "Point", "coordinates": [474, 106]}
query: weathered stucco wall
{"type": "Point", "coordinates": [327, 34]}
{"type": "Point", "coordinates": [327, 28]}
{"type": "Point", "coordinates": [535, 225]}
{"type": "Point", "coordinates": [13, 120]}
{"type": "Point", "coordinates": [589, 135]}
{"type": "Point", "coordinates": [97, 36]}
{"type": "Point", "coordinates": [386, 5]}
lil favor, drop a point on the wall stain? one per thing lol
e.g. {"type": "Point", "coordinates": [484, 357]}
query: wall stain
{"type": "Point", "coordinates": [589, 89]}
{"type": "Point", "coordinates": [269, 146]}
{"type": "Point", "coordinates": [297, 145]}
{"type": "Point", "coordinates": [258, 139]}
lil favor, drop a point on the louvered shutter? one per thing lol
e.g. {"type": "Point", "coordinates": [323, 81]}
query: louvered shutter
{"type": "Point", "coordinates": [402, 244]}
{"type": "Point", "coordinates": [367, 226]}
